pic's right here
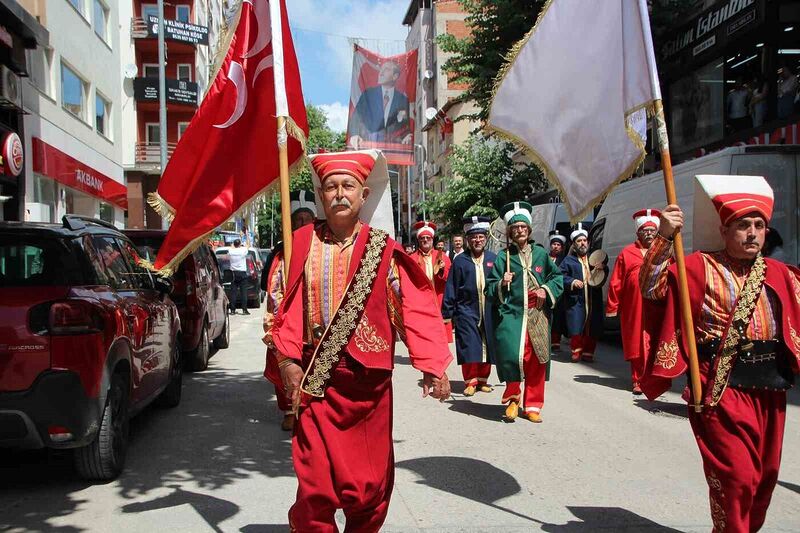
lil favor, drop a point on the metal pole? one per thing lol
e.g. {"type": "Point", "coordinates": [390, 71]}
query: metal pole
{"type": "Point", "coordinates": [162, 96]}
{"type": "Point", "coordinates": [422, 177]}
{"type": "Point", "coordinates": [408, 193]}
{"type": "Point", "coordinates": [272, 221]}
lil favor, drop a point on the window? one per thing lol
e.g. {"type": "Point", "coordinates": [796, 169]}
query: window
{"type": "Point", "coordinates": [102, 115]}
{"type": "Point", "coordinates": [116, 266]}
{"type": "Point", "coordinates": [141, 275]}
{"type": "Point", "coordinates": [100, 21]}
{"type": "Point", "coordinates": [150, 70]}
{"type": "Point", "coordinates": [73, 92]}
{"type": "Point", "coordinates": [106, 212]}
{"type": "Point", "coordinates": [152, 133]}
{"type": "Point", "coordinates": [183, 14]}
{"type": "Point", "coordinates": [35, 261]}
{"type": "Point", "coordinates": [149, 10]}
{"type": "Point", "coordinates": [182, 129]}
{"type": "Point", "coordinates": [185, 72]}
{"type": "Point", "coordinates": [44, 192]}
{"type": "Point", "coordinates": [40, 63]}
{"type": "Point", "coordinates": [77, 4]}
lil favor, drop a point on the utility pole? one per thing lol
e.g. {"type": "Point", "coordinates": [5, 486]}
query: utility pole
{"type": "Point", "coordinates": [422, 176]}
{"type": "Point", "coordinates": [162, 97]}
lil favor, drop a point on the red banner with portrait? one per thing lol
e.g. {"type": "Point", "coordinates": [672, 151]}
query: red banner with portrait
{"type": "Point", "coordinates": [382, 103]}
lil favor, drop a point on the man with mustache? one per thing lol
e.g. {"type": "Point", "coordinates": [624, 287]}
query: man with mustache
{"type": "Point", "coordinates": [557, 242]}
{"type": "Point", "coordinates": [746, 312]}
{"type": "Point", "coordinates": [350, 291]}
{"type": "Point", "coordinates": [434, 263]}
{"type": "Point", "coordinates": [625, 298]}
{"type": "Point", "coordinates": [583, 305]}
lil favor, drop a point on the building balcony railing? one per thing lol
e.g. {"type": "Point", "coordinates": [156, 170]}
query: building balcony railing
{"type": "Point", "coordinates": [139, 28]}
{"type": "Point", "coordinates": [174, 30]}
{"type": "Point", "coordinates": [178, 91]}
{"type": "Point", "coordinates": [150, 153]}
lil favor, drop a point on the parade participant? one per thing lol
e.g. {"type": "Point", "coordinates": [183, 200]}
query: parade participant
{"type": "Point", "coordinates": [350, 290]}
{"type": "Point", "coordinates": [746, 312]}
{"type": "Point", "coordinates": [440, 246]}
{"type": "Point", "coordinates": [434, 263]}
{"type": "Point", "coordinates": [466, 306]}
{"type": "Point", "coordinates": [409, 248]}
{"type": "Point", "coordinates": [524, 280]}
{"type": "Point", "coordinates": [583, 305]}
{"type": "Point", "coordinates": [458, 247]}
{"type": "Point", "coordinates": [304, 212]}
{"type": "Point", "coordinates": [557, 243]}
{"type": "Point", "coordinates": [625, 298]}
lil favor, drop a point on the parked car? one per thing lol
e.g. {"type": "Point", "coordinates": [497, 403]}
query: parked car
{"type": "Point", "coordinates": [87, 339]}
{"type": "Point", "coordinates": [254, 267]}
{"type": "Point", "coordinates": [201, 299]}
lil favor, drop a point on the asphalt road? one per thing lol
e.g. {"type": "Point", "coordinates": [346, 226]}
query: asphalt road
{"type": "Point", "coordinates": [603, 460]}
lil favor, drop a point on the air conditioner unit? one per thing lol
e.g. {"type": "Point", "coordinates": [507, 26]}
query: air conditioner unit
{"type": "Point", "coordinates": [10, 88]}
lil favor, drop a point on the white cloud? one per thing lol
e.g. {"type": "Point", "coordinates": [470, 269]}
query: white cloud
{"type": "Point", "coordinates": [337, 114]}
{"type": "Point", "coordinates": [375, 21]}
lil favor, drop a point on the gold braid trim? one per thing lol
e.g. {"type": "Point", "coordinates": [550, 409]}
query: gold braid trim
{"type": "Point", "coordinates": [745, 306]}
{"type": "Point", "coordinates": [346, 318]}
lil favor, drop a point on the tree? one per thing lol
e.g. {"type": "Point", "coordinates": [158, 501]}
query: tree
{"type": "Point", "coordinates": [320, 137]}
{"type": "Point", "coordinates": [485, 178]}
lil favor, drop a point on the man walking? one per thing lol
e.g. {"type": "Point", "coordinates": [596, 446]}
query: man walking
{"type": "Point", "coordinates": [625, 298]}
{"type": "Point", "coordinates": [557, 243]}
{"type": "Point", "coordinates": [524, 280]}
{"type": "Point", "coordinates": [350, 290]}
{"type": "Point", "coordinates": [466, 306]}
{"type": "Point", "coordinates": [434, 262]}
{"type": "Point", "coordinates": [238, 255]}
{"type": "Point", "coordinates": [746, 312]}
{"type": "Point", "coordinates": [583, 305]}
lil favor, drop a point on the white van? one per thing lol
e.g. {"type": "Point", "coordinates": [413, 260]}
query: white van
{"type": "Point", "coordinates": [613, 228]}
{"type": "Point", "coordinates": [547, 217]}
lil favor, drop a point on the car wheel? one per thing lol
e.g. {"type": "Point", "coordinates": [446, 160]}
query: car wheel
{"type": "Point", "coordinates": [223, 340]}
{"type": "Point", "coordinates": [198, 358]}
{"type": "Point", "coordinates": [104, 457]}
{"type": "Point", "coordinates": [171, 397]}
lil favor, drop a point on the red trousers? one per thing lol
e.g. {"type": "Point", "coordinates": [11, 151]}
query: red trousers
{"type": "Point", "coordinates": [476, 373]}
{"type": "Point", "coordinates": [740, 442]}
{"type": "Point", "coordinates": [343, 453]}
{"type": "Point", "coordinates": [637, 369]}
{"type": "Point", "coordinates": [534, 382]}
{"type": "Point", "coordinates": [582, 345]}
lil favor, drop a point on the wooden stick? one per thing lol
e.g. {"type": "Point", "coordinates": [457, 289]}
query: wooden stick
{"type": "Point", "coordinates": [286, 207]}
{"type": "Point", "coordinates": [683, 284]}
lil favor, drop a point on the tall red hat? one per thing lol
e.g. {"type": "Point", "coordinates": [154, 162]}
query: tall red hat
{"type": "Point", "coordinates": [355, 164]}
{"type": "Point", "coordinates": [423, 227]}
{"type": "Point", "coordinates": [736, 196]}
{"type": "Point", "coordinates": [646, 218]}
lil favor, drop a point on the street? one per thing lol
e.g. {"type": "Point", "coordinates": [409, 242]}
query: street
{"type": "Point", "coordinates": [602, 460]}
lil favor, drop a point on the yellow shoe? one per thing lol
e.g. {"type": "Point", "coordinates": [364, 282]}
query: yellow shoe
{"type": "Point", "coordinates": [532, 416]}
{"type": "Point", "coordinates": [486, 388]}
{"type": "Point", "coordinates": [469, 391]}
{"type": "Point", "coordinates": [512, 411]}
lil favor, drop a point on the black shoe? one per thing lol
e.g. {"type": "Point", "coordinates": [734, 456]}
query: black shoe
{"type": "Point", "coordinates": [246, 312]}
{"type": "Point", "coordinates": [231, 312]}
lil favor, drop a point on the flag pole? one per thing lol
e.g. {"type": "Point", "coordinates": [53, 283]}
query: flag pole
{"type": "Point", "coordinates": [286, 208]}
{"type": "Point", "coordinates": [687, 323]}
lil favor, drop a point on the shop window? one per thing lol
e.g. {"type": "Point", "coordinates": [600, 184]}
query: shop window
{"type": "Point", "coordinates": [102, 116]}
{"type": "Point", "coordinates": [697, 104]}
{"type": "Point", "coordinates": [100, 20]}
{"type": "Point", "coordinates": [149, 10]}
{"type": "Point", "coordinates": [185, 72]}
{"type": "Point", "coordinates": [152, 133]}
{"type": "Point", "coordinates": [73, 92]}
{"type": "Point", "coordinates": [106, 212]}
{"type": "Point", "coordinates": [182, 129]}
{"type": "Point", "coordinates": [44, 192]}
{"type": "Point", "coordinates": [150, 70]}
{"type": "Point", "coordinates": [183, 14]}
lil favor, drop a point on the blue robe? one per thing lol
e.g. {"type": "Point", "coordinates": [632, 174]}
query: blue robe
{"type": "Point", "coordinates": [461, 305]}
{"type": "Point", "coordinates": [580, 303]}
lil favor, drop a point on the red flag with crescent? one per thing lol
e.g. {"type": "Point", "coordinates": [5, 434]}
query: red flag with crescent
{"type": "Point", "coordinates": [228, 155]}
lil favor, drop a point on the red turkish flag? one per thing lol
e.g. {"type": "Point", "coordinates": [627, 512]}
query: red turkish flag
{"type": "Point", "coordinates": [229, 154]}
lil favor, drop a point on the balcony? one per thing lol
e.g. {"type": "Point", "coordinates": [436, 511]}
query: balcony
{"type": "Point", "coordinates": [174, 30]}
{"type": "Point", "coordinates": [150, 153]}
{"type": "Point", "coordinates": [178, 91]}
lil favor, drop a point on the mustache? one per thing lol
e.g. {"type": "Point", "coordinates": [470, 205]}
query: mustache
{"type": "Point", "coordinates": [343, 202]}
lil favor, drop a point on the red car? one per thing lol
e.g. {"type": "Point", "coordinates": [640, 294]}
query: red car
{"type": "Point", "coordinates": [199, 295]}
{"type": "Point", "coordinates": [87, 339]}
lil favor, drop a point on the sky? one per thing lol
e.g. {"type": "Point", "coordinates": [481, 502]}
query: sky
{"type": "Point", "coordinates": [320, 29]}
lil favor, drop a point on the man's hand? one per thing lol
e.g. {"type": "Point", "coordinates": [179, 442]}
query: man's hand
{"type": "Point", "coordinates": [508, 277]}
{"type": "Point", "coordinates": [536, 298]}
{"type": "Point", "coordinates": [292, 377]}
{"type": "Point", "coordinates": [671, 221]}
{"type": "Point", "coordinates": [577, 284]}
{"type": "Point", "coordinates": [438, 388]}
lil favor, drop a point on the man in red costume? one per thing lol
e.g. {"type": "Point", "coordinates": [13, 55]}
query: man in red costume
{"type": "Point", "coordinates": [433, 262]}
{"type": "Point", "coordinates": [625, 298]}
{"type": "Point", "coordinates": [350, 290]}
{"type": "Point", "coordinates": [746, 312]}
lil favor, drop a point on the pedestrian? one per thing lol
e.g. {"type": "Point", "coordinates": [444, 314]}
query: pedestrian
{"type": "Point", "coordinates": [557, 243]}
{"type": "Point", "coordinates": [409, 248]}
{"type": "Point", "coordinates": [787, 91]}
{"type": "Point", "coordinates": [350, 287]}
{"type": "Point", "coordinates": [583, 304]}
{"type": "Point", "coordinates": [238, 255]}
{"type": "Point", "coordinates": [523, 283]}
{"type": "Point", "coordinates": [458, 247]}
{"type": "Point", "coordinates": [625, 298]}
{"type": "Point", "coordinates": [434, 263]}
{"type": "Point", "coordinates": [304, 212]}
{"type": "Point", "coordinates": [746, 312]}
{"type": "Point", "coordinates": [466, 306]}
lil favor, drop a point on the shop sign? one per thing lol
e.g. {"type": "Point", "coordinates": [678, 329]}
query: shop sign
{"type": "Point", "coordinates": [13, 155]}
{"type": "Point", "coordinates": [742, 13]}
{"type": "Point", "coordinates": [178, 91]}
{"type": "Point", "coordinates": [175, 30]}
{"type": "Point", "coordinates": [55, 164]}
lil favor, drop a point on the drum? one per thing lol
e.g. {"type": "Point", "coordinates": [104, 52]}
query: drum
{"type": "Point", "coordinates": [598, 271]}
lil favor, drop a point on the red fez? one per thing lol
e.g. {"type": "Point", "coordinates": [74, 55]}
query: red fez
{"type": "Point", "coordinates": [645, 218]}
{"type": "Point", "coordinates": [424, 227]}
{"type": "Point", "coordinates": [357, 165]}
{"type": "Point", "coordinates": [736, 196]}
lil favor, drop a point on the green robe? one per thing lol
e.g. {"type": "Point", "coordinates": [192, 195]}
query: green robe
{"type": "Point", "coordinates": [510, 306]}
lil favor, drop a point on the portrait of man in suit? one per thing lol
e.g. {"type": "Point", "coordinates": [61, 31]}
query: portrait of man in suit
{"type": "Point", "coordinates": [382, 111]}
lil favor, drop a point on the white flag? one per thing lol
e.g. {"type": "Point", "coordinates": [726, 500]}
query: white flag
{"type": "Point", "coordinates": [570, 89]}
